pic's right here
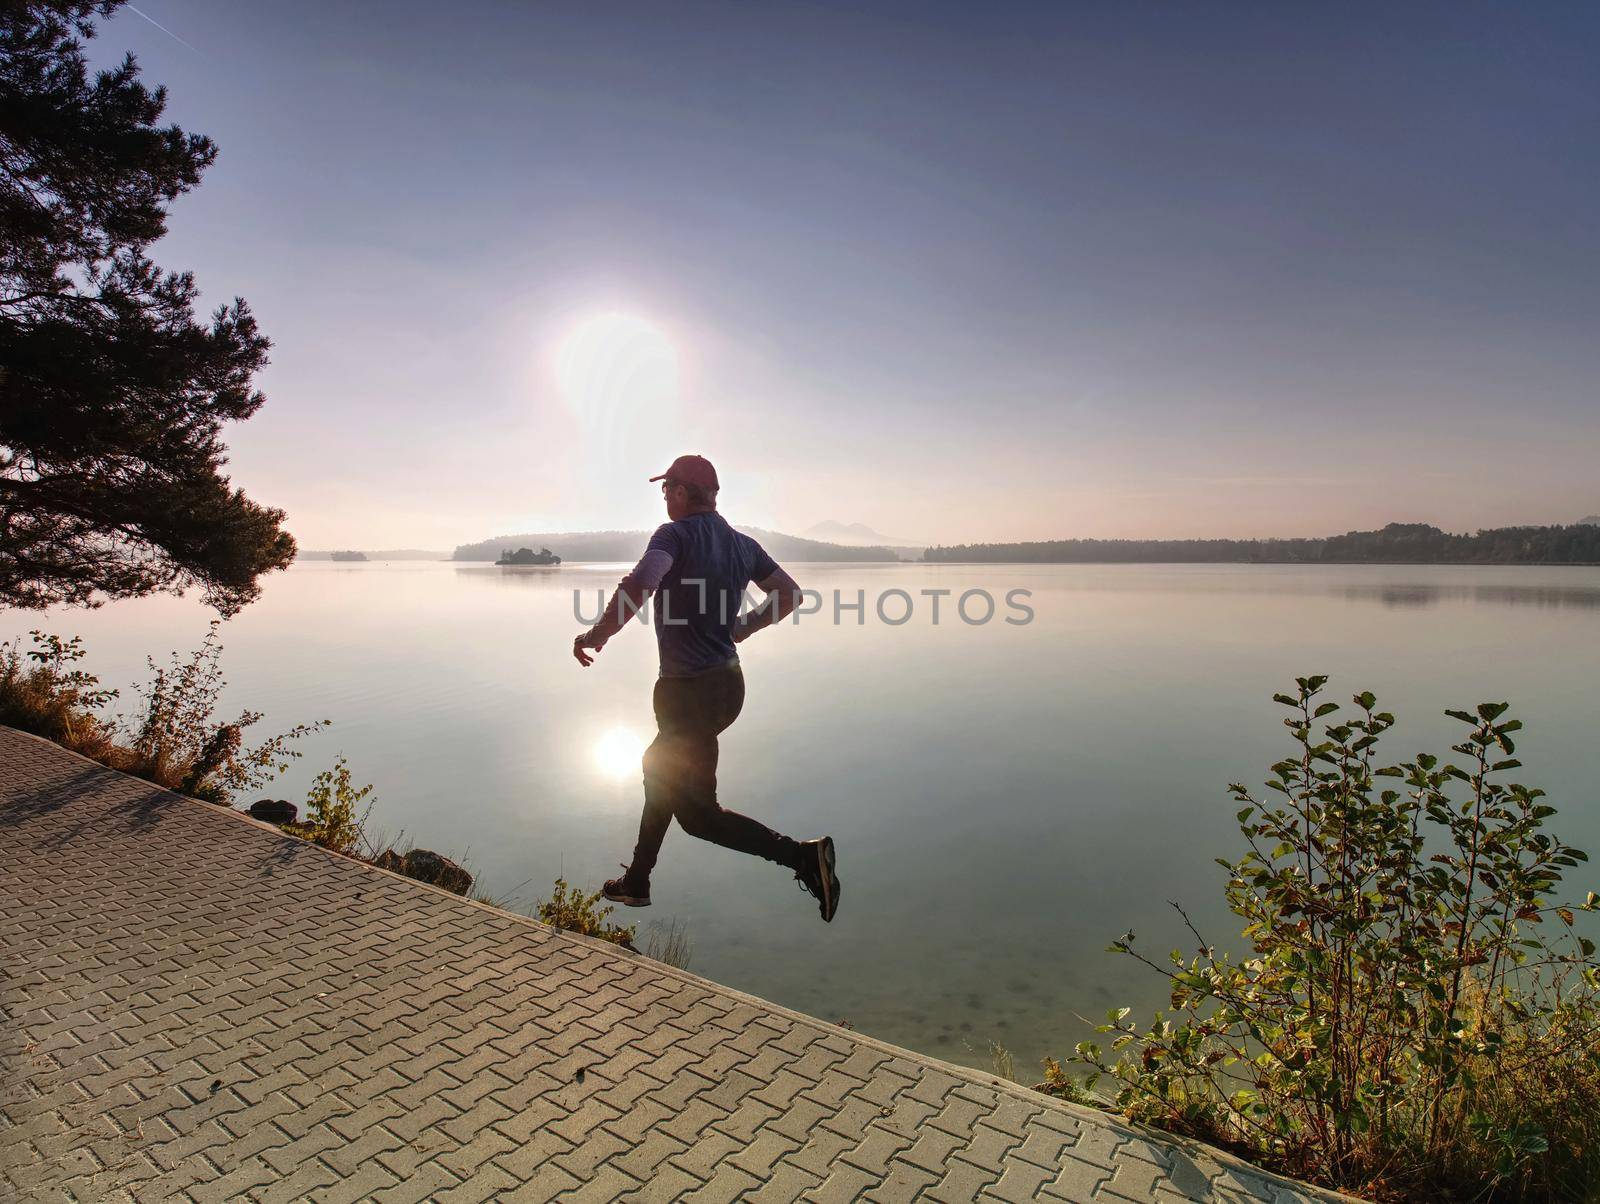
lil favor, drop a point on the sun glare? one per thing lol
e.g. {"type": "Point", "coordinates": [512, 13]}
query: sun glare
{"type": "Point", "coordinates": [620, 379]}
{"type": "Point", "coordinates": [618, 752]}
{"type": "Point", "coordinates": [616, 364]}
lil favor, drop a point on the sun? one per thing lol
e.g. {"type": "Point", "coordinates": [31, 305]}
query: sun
{"type": "Point", "coordinates": [620, 378]}
{"type": "Point", "coordinates": [618, 751]}
{"type": "Point", "coordinates": [615, 365]}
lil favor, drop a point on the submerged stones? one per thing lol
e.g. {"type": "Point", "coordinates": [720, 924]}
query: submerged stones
{"type": "Point", "coordinates": [426, 866]}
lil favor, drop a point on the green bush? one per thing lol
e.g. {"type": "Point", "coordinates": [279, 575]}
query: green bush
{"type": "Point", "coordinates": [331, 819]}
{"type": "Point", "coordinates": [177, 741]}
{"type": "Point", "coordinates": [44, 692]}
{"type": "Point", "coordinates": [1416, 1017]}
{"type": "Point", "coordinates": [180, 743]}
{"type": "Point", "coordinates": [569, 908]}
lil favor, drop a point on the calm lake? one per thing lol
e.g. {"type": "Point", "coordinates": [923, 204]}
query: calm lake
{"type": "Point", "coordinates": [1006, 799]}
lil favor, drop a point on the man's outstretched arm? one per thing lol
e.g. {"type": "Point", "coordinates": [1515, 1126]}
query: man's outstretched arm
{"type": "Point", "coordinates": [783, 595]}
{"type": "Point", "coordinates": [626, 601]}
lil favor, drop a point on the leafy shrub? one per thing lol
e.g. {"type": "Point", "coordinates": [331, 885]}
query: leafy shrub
{"type": "Point", "coordinates": [177, 741]}
{"type": "Point", "coordinates": [1415, 1019]}
{"type": "Point", "coordinates": [571, 909]}
{"type": "Point", "coordinates": [44, 692]}
{"type": "Point", "coordinates": [331, 803]}
{"type": "Point", "coordinates": [1060, 1082]}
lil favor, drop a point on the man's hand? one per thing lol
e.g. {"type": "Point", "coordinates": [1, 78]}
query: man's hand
{"type": "Point", "coordinates": [782, 597]}
{"type": "Point", "coordinates": [625, 602]}
{"type": "Point", "coordinates": [587, 640]}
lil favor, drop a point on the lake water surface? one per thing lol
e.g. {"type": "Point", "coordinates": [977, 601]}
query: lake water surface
{"type": "Point", "coordinates": [1006, 799]}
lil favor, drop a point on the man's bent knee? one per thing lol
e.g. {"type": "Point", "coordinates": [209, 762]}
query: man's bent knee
{"type": "Point", "coordinates": [698, 821]}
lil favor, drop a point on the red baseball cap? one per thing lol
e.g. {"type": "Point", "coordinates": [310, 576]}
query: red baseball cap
{"type": "Point", "coordinates": [691, 470]}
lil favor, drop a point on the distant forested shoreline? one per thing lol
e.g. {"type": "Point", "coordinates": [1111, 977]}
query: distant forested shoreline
{"type": "Point", "coordinates": [1397, 543]}
{"type": "Point", "coordinates": [629, 546]}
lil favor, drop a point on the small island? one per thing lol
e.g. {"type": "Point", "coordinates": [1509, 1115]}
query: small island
{"type": "Point", "coordinates": [528, 556]}
{"type": "Point", "coordinates": [348, 556]}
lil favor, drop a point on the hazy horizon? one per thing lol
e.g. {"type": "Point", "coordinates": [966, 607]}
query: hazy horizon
{"type": "Point", "coordinates": [510, 534]}
{"type": "Point", "coordinates": [985, 274]}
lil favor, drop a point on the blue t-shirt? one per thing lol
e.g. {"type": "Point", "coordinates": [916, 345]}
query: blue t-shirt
{"type": "Point", "coordinates": [695, 605]}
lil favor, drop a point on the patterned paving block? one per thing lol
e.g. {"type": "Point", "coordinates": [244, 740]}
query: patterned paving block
{"type": "Point", "coordinates": [196, 1007]}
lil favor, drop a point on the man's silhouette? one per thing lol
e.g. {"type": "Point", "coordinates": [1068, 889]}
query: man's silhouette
{"type": "Point", "coordinates": [698, 567]}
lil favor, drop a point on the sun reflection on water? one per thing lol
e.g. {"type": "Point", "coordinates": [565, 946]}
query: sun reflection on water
{"type": "Point", "coordinates": [617, 752]}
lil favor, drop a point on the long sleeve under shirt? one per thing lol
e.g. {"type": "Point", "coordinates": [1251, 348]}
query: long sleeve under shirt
{"type": "Point", "coordinates": [699, 567]}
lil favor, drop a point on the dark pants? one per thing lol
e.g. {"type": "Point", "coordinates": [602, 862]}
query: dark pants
{"type": "Point", "coordinates": [680, 772]}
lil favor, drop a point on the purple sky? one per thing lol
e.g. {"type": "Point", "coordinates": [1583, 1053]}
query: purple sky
{"type": "Point", "coordinates": [959, 272]}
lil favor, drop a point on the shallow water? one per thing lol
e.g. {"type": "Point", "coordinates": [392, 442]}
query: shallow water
{"type": "Point", "coordinates": [1006, 799]}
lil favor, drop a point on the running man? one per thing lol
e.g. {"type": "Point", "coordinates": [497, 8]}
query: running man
{"type": "Point", "coordinates": [698, 567]}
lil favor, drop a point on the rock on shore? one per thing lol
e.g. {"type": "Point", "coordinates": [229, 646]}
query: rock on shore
{"type": "Point", "coordinates": [274, 811]}
{"type": "Point", "coordinates": [426, 866]}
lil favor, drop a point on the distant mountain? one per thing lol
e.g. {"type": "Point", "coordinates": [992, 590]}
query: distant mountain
{"type": "Point", "coordinates": [383, 554]}
{"type": "Point", "coordinates": [857, 535]}
{"type": "Point", "coordinates": [1592, 521]}
{"type": "Point", "coordinates": [629, 546]}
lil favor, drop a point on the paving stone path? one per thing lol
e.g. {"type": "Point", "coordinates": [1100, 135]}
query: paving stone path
{"type": "Point", "coordinates": [196, 1007]}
